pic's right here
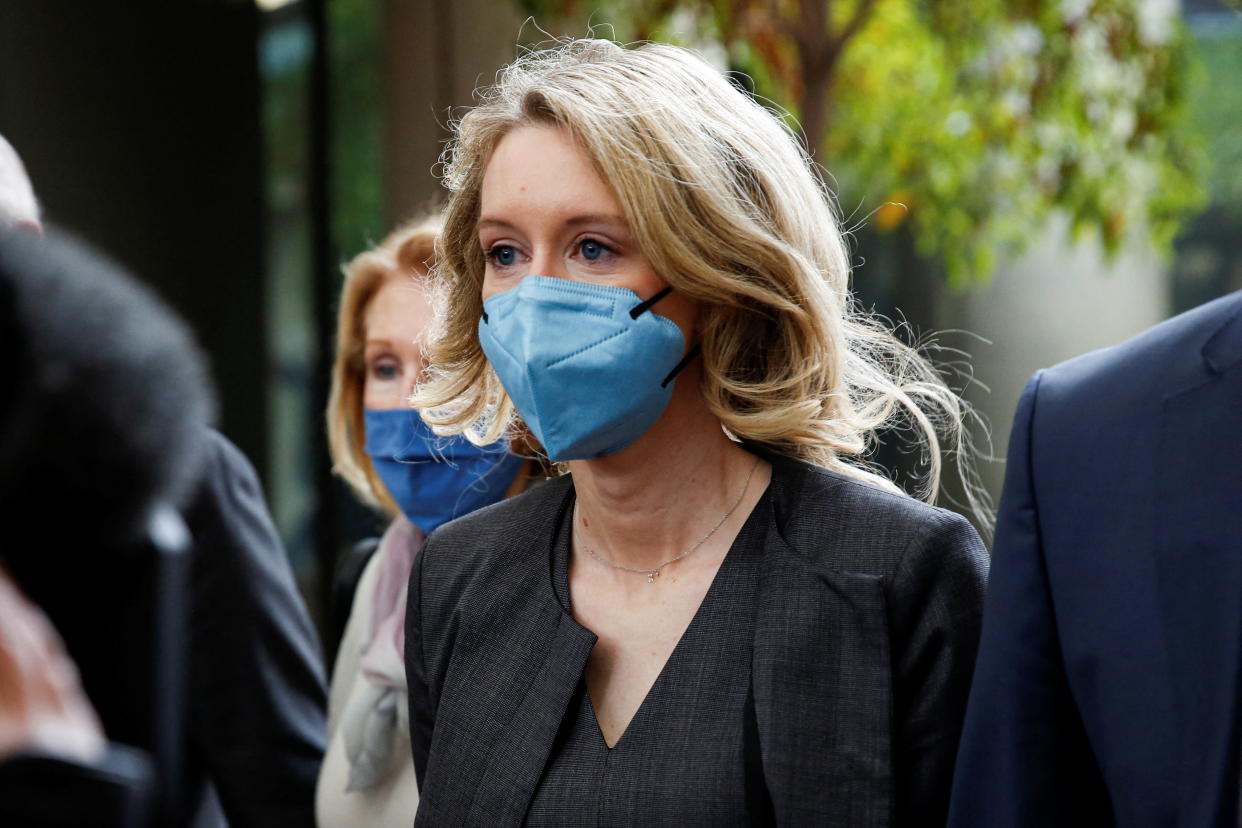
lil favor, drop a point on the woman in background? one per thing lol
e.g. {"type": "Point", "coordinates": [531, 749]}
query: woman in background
{"type": "Point", "coordinates": [394, 462]}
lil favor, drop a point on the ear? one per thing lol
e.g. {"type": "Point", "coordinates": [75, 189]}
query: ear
{"type": "Point", "coordinates": [30, 226]}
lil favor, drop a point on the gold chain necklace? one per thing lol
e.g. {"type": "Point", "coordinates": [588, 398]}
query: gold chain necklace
{"type": "Point", "coordinates": [654, 573]}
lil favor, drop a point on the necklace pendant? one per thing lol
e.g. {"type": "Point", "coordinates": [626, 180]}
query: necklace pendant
{"type": "Point", "coordinates": [652, 574]}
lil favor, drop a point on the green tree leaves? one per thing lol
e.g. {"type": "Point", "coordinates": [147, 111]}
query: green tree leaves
{"type": "Point", "coordinates": [977, 117]}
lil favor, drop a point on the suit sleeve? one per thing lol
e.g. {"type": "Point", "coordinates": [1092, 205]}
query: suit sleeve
{"type": "Point", "coordinates": [1024, 758]}
{"type": "Point", "coordinates": [936, 606]}
{"type": "Point", "coordinates": [257, 694]}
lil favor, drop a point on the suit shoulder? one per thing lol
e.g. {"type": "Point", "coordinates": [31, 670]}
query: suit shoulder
{"type": "Point", "coordinates": [847, 524]}
{"type": "Point", "coordinates": [222, 449]}
{"type": "Point", "coordinates": [226, 469]}
{"type": "Point", "coordinates": [1170, 355]}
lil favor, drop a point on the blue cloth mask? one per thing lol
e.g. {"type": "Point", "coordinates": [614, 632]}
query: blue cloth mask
{"type": "Point", "coordinates": [587, 367]}
{"type": "Point", "coordinates": [432, 478]}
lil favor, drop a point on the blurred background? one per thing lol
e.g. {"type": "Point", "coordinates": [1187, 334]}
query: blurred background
{"type": "Point", "coordinates": [1030, 178]}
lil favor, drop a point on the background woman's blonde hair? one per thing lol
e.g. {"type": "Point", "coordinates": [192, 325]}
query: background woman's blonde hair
{"type": "Point", "coordinates": [726, 206]}
{"type": "Point", "coordinates": [407, 253]}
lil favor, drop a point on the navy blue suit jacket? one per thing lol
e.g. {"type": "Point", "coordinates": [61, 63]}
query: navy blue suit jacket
{"type": "Point", "coordinates": [1107, 686]}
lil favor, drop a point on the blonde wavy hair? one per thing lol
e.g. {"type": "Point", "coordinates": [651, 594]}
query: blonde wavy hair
{"type": "Point", "coordinates": [407, 253]}
{"type": "Point", "coordinates": [727, 207]}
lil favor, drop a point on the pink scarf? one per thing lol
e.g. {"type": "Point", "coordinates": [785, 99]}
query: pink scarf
{"type": "Point", "coordinates": [383, 661]}
{"type": "Point", "coordinates": [374, 713]}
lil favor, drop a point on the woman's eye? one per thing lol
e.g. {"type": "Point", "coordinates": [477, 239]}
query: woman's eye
{"type": "Point", "coordinates": [592, 250]}
{"type": "Point", "coordinates": [385, 371]}
{"type": "Point", "coordinates": [503, 255]}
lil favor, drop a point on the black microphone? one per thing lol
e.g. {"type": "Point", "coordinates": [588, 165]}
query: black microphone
{"type": "Point", "coordinates": [104, 408]}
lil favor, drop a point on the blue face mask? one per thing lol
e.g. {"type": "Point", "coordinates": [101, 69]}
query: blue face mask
{"type": "Point", "coordinates": [432, 478]}
{"type": "Point", "coordinates": [587, 366]}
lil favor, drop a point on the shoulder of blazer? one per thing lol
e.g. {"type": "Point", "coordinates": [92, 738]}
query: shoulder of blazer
{"type": "Point", "coordinates": [843, 524]}
{"type": "Point", "coordinates": [481, 544]}
{"type": "Point", "coordinates": [471, 567]}
{"type": "Point", "coordinates": [1169, 357]}
{"type": "Point", "coordinates": [822, 518]}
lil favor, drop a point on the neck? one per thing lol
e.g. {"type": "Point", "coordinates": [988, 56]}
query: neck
{"type": "Point", "coordinates": [654, 499]}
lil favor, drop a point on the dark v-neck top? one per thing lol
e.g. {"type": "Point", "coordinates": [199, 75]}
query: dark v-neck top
{"type": "Point", "coordinates": [690, 755]}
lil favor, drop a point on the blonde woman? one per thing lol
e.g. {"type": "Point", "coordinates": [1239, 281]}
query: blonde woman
{"type": "Point", "coordinates": [392, 461]}
{"type": "Point", "coordinates": [719, 616]}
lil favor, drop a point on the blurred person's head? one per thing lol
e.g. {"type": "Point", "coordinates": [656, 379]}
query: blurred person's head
{"type": "Point", "coordinates": [18, 206]}
{"type": "Point", "coordinates": [378, 443]}
{"type": "Point", "coordinates": [104, 415]}
{"type": "Point", "coordinates": [105, 401]}
{"type": "Point", "coordinates": [716, 198]}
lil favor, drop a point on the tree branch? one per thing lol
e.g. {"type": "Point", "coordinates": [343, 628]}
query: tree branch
{"type": "Point", "coordinates": [862, 13]}
{"type": "Point", "coordinates": [781, 23]}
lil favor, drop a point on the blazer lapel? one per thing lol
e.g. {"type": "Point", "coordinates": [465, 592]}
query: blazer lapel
{"type": "Point", "coordinates": [822, 702]}
{"type": "Point", "coordinates": [498, 723]}
{"type": "Point", "coordinates": [523, 746]}
{"type": "Point", "coordinates": [1199, 559]}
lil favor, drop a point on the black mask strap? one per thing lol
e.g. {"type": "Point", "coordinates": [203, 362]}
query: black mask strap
{"type": "Point", "coordinates": [681, 366]}
{"type": "Point", "coordinates": [641, 308]}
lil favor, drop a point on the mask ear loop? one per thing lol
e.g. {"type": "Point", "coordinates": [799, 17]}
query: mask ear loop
{"type": "Point", "coordinates": [642, 307]}
{"type": "Point", "coordinates": [681, 365]}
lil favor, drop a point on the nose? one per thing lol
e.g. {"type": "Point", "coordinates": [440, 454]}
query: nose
{"type": "Point", "coordinates": [544, 261]}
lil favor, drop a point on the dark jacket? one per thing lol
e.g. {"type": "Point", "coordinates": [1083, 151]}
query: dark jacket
{"type": "Point", "coordinates": [256, 696]}
{"type": "Point", "coordinates": [1107, 688]}
{"type": "Point", "coordinates": [865, 636]}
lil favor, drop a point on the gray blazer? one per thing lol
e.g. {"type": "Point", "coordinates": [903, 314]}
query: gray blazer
{"type": "Point", "coordinates": [865, 637]}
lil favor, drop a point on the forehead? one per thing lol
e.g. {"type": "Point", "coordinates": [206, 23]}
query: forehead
{"type": "Point", "coordinates": [400, 309]}
{"type": "Point", "coordinates": [538, 170]}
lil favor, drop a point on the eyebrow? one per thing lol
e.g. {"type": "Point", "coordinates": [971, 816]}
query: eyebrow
{"type": "Point", "coordinates": [586, 218]}
{"type": "Point", "coordinates": [385, 341]}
